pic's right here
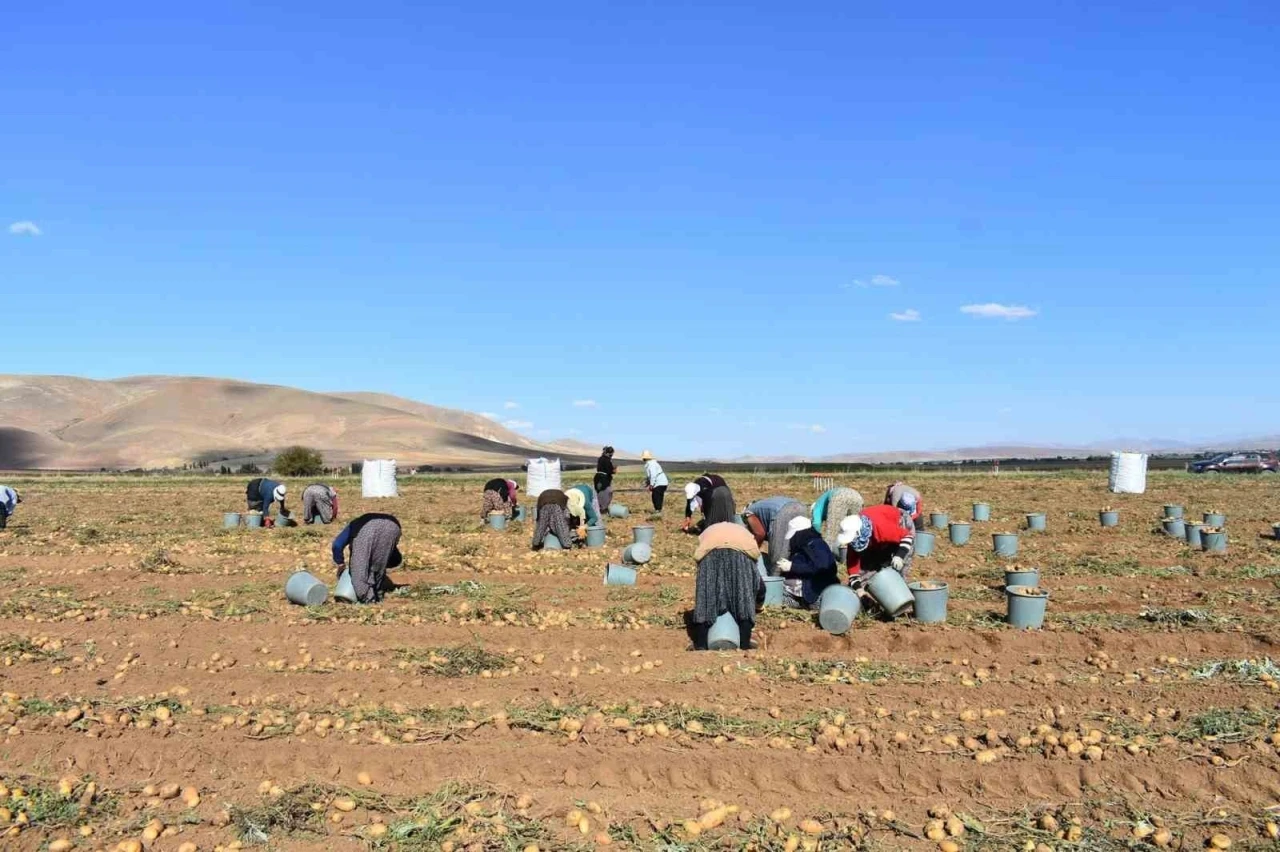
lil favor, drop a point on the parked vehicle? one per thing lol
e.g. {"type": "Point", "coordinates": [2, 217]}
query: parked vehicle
{"type": "Point", "coordinates": [1259, 462]}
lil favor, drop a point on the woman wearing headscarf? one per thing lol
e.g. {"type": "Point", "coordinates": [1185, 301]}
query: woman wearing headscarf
{"type": "Point", "coordinates": [605, 471]}
{"type": "Point", "coordinates": [727, 581]}
{"type": "Point", "coordinates": [832, 507]}
{"type": "Point", "coordinates": [261, 493]}
{"type": "Point", "coordinates": [767, 520]}
{"type": "Point", "coordinates": [710, 495]}
{"type": "Point", "coordinates": [903, 496]}
{"type": "Point", "coordinates": [553, 518]}
{"type": "Point", "coordinates": [500, 496]}
{"type": "Point", "coordinates": [319, 502]}
{"type": "Point", "coordinates": [373, 540]}
{"type": "Point", "coordinates": [9, 500]}
{"type": "Point", "coordinates": [809, 566]}
{"type": "Point", "coordinates": [655, 480]}
{"type": "Point", "coordinates": [583, 506]}
{"type": "Point", "coordinates": [877, 538]}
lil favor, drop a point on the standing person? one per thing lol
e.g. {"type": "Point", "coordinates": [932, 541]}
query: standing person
{"type": "Point", "coordinates": [710, 495]}
{"type": "Point", "coordinates": [655, 480]}
{"type": "Point", "coordinates": [9, 500]}
{"type": "Point", "coordinates": [500, 496]}
{"type": "Point", "coordinates": [261, 493]}
{"type": "Point", "coordinates": [833, 507]}
{"type": "Point", "coordinates": [583, 506]}
{"type": "Point", "coordinates": [879, 537]}
{"type": "Point", "coordinates": [319, 501]}
{"type": "Point", "coordinates": [373, 540]}
{"type": "Point", "coordinates": [727, 581]}
{"type": "Point", "coordinates": [605, 471]}
{"type": "Point", "coordinates": [809, 566]}
{"type": "Point", "coordinates": [904, 497]}
{"type": "Point", "coordinates": [768, 520]}
{"type": "Point", "coordinates": [553, 518]}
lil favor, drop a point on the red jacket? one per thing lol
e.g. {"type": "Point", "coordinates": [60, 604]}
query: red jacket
{"type": "Point", "coordinates": [892, 533]}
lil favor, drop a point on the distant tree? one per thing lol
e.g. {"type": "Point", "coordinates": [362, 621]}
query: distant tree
{"type": "Point", "coordinates": [298, 461]}
{"type": "Point", "coordinates": [248, 468]}
{"type": "Point", "coordinates": [357, 468]}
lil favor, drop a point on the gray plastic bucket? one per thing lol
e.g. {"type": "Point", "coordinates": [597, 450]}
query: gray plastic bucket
{"type": "Point", "coordinates": [1026, 611]}
{"type": "Point", "coordinates": [773, 591]}
{"type": "Point", "coordinates": [924, 543]}
{"type": "Point", "coordinates": [1005, 544]}
{"type": "Point", "coordinates": [253, 519]}
{"type": "Point", "coordinates": [889, 590]}
{"type": "Point", "coordinates": [498, 520]}
{"type": "Point", "coordinates": [1021, 577]}
{"type": "Point", "coordinates": [619, 575]}
{"type": "Point", "coordinates": [1192, 533]}
{"type": "Point", "coordinates": [1213, 542]}
{"type": "Point", "coordinates": [837, 608]}
{"type": "Point", "coordinates": [637, 554]}
{"type": "Point", "coordinates": [617, 510]}
{"type": "Point", "coordinates": [520, 514]}
{"type": "Point", "coordinates": [931, 601]}
{"type": "Point", "coordinates": [981, 511]}
{"type": "Point", "coordinates": [230, 520]}
{"type": "Point", "coordinates": [1215, 519]}
{"type": "Point", "coordinates": [1037, 522]}
{"type": "Point", "coordinates": [959, 532]}
{"type": "Point", "coordinates": [1109, 518]}
{"type": "Point", "coordinates": [285, 521]}
{"type": "Point", "coordinates": [1173, 510]}
{"type": "Point", "coordinates": [1175, 527]}
{"type": "Point", "coordinates": [552, 543]}
{"type": "Point", "coordinates": [595, 536]}
{"type": "Point", "coordinates": [305, 589]}
{"type": "Point", "coordinates": [938, 520]}
{"type": "Point", "coordinates": [724, 634]}
{"type": "Point", "coordinates": [643, 534]}
{"type": "Point", "coordinates": [344, 590]}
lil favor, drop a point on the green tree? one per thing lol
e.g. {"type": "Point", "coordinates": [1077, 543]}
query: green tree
{"type": "Point", "coordinates": [298, 461]}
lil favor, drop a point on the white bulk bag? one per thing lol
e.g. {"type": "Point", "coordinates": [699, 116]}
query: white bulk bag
{"type": "Point", "coordinates": [1128, 473]}
{"type": "Point", "coordinates": [378, 478]}
{"type": "Point", "coordinates": [544, 475]}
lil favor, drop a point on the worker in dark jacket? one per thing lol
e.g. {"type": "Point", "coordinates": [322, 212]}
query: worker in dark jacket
{"type": "Point", "coordinates": [261, 493]}
{"type": "Point", "coordinates": [605, 471]}
{"type": "Point", "coordinates": [809, 566]}
{"type": "Point", "coordinates": [9, 500]}
{"type": "Point", "coordinates": [374, 542]}
{"type": "Point", "coordinates": [710, 495]}
{"type": "Point", "coordinates": [500, 496]}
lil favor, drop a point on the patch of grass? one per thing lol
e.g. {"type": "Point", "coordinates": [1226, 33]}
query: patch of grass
{"type": "Point", "coordinates": [1258, 572]}
{"type": "Point", "coordinates": [841, 671]}
{"type": "Point", "coordinates": [1226, 726]}
{"type": "Point", "coordinates": [1180, 617]}
{"type": "Point", "coordinates": [47, 808]}
{"type": "Point", "coordinates": [20, 646]}
{"type": "Point", "coordinates": [1246, 670]}
{"type": "Point", "coordinates": [159, 561]}
{"type": "Point", "coordinates": [287, 814]}
{"type": "Point", "coordinates": [456, 661]}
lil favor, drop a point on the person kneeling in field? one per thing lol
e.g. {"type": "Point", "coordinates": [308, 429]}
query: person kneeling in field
{"type": "Point", "coordinates": [809, 566]}
{"type": "Point", "coordinates": [880, 537]}
{"type": "Point", "coordinates": [319, 501]}
{"type": "Point", "coordinates": [727, 581]}
{"type": "Point", "coordinates": [261, 493]}
{"type": "Point", "coordinates": [500, 496]}
{"type": "Point", "coordinates": [9, 500]}
{"type": "Point", "coordinates": [373, 540]}
{"type": "Point", "coordinates": [553, 518]}
{"type": "Point", "coordinates": [903, 496]}
{"type": "Point", "coordinates": [710, 495]}
{"type": "Point", "coordinates": [768, 519]}
{"type": "Point", "coordinates": [831, 508]}
{"type": "Point", "coordinates": [583, 508]}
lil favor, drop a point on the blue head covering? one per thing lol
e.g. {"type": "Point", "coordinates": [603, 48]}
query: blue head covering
{"type": "Point", "coordinates": [908, 502]}
{"type": "Point", "coordinates": [861, 543]}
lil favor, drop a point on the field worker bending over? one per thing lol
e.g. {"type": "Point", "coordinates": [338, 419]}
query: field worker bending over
{"type": "Point", "coordinates": [878, 538]}
{"type": "Point", "coordinates": [500, 496]}
{"type": "Point", "coordinates": [710, 495]}
{"type": "Point", "coordinates": [833, 507]}
{"type": "Point", "coordinates": [261, 493]}
{"type": "Point", "coordinates": [584, 509]}
{"type": "Point", "coordinates": [767, 520]}
{"type": "Point", "coordinates": [605, 471]}
{"type": "Point", "coordinates": [373, 540]}
{"type": "Point", "coordinates": [553, 518]}
{"type": "Point", "coordinates": [727, 581]}
{"type": "Point", "coordinates": [809, 566]}
{"type": "Point", "coordinates": [9, 500]}
{"type": "Point", "coordinates": [905, 497]}
{"type": "Point", "coordinates": [319, 502]}
{"type": "Point", "coordinates": [655, 480]}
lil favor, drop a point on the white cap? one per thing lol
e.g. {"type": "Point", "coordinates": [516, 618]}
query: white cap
{"type": "Point", "coordinates": [850, 527]}
{"type": "Point", "coordinates": [691, 491]}
{"type": "Point", "coordinates": [280, 491]}
{"type": "Point", "coordinates": [797, 524]}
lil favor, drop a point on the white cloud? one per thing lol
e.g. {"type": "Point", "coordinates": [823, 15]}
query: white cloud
{"type": "Point", "coordinates": [510, 406]}
{"type": "Point", "coordinates": [517, 424]}
{"type": "Point", "coordinates": [817, 428]}
{"type": "Point", "coordinates": [25, 228]}
{"type": "Point", "coordinates": [909, 315]}
{"type": "Point", "coordinates": [584, 403]}
{"type": "Point", "coordinates": [489, 414]}
{"type": "Point", "coordinates": [876, 281]}
{"type": "Point", "coordinates": [995, 310]}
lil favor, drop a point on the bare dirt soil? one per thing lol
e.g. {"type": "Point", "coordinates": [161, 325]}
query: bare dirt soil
{"type": "Point", "coordinates": [159, 691]}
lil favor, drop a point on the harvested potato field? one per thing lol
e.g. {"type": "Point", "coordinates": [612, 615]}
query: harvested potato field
{"type": "Point", "coordinates": [159, 692]}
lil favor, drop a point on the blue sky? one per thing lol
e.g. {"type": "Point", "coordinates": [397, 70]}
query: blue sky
{"type": "Point", "coordinates": [698, 221]}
